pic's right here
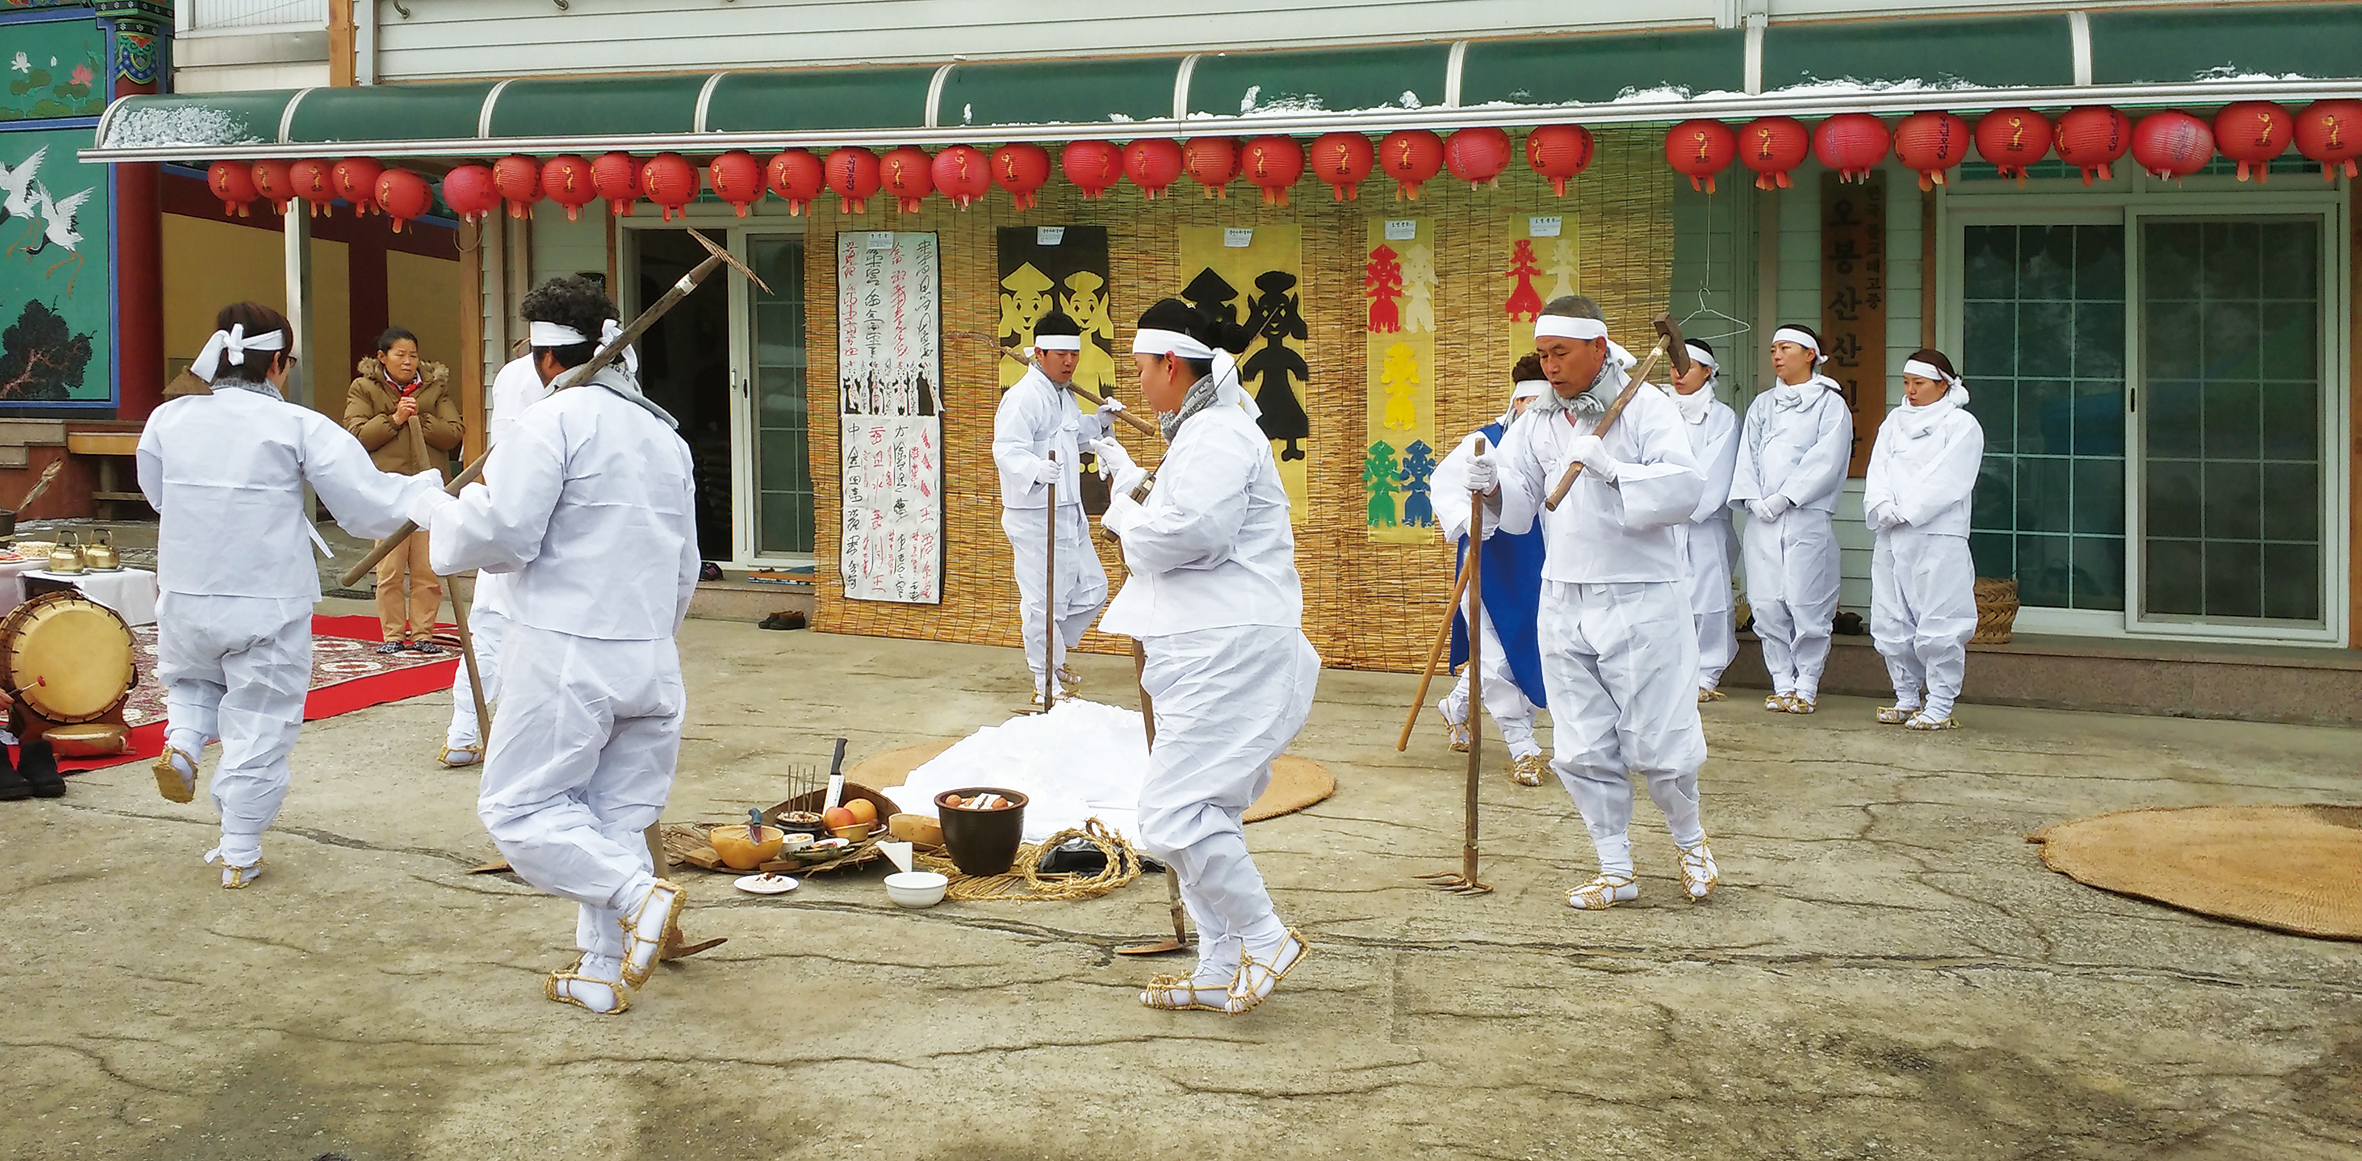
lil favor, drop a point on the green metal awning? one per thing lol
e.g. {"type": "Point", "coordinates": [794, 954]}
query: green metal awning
{"type": "Point", "coordinates": [2133, 57]}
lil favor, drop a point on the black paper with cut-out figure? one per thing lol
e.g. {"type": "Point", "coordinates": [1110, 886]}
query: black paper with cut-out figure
{"type": "Point", "coordinates": [1277, 316]}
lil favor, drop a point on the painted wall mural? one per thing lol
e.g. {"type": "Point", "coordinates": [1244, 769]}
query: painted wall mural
{"type": "Point", "coordinates": [53, 69]}
{"type": "Point", "coordinates": [54, 290]}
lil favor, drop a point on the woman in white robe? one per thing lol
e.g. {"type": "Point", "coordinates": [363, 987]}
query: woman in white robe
{"type": "Point", "coordinates": [235, 572]}
{"type": "Point", "coordinates": [1793, 451]}
{"type": "Point", "coordinates": [1706, 540]}
{"type": "Point", "coordinates": [1037, 438]}
{"type": "Point", "coordinates": [1216, 604]}
{"type": "Point", "coordinates": [1923, 606]}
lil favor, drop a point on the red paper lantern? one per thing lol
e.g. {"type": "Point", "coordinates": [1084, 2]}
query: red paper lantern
{"type": "Point", "coordinates": [737, 178]}
{"type": "Point", "coordinates": [1771, 146]}
{"type": "Point", "coordinates": [670, 181]}
{"type": "Point", "coordinates": [403, 195]}
{"type": "Point", "coordinates": [853, 174]}
{"type": "Point", "coordinates": [1153, 163]}
{"type": "Point", "coordinates": [1093, 166]}
{"type": "Point", "coordinates": [1212, 162]}
{"type": "Point", "coordinates": [566, 178]}
{"type": "Point", "coordinates": [2172, 144]}
{"type": "Point", "coordinates": [1021, 168]}
{"type": "Point", "coordinates": [616, 177]}
{"type": "Point", "coordinates": [909, 174]}
{"type": "Point", "coordinates": [233, 183]}
{"type": "Point", "coordinates": [2092, 138]}
{"type": "Point", "coordinates": [798, 177]}
{"type": "Point", "coordinates": [314, 184]}
{"type": "Point", "coordinates": [2252, 133]}
{"type": "Point", "coordinates": [2013, 139]}
{"type": "Point", "coordinates": [1410, 157]}
{"type": "Point", "coordinates": [467, 189]}
{"type": "Point", "coordinates": [518, 178]}
{"type": "Point", "coordinates": [1700, 149]}
{"type": "Point", "coordinates": [963, 174]}
{"type": "Point", "coordinates": [1852, 144]}
{"type": "Point", "coordinates": [1342, 160]}
{"type": "Point", "coordinates": [1931, 143]}
{"type": "Point", "coordinates": [2330, 132]}
{"type": "Point", "coordinates": [1559, 153]}
{"type": "Point", "coordinates": [1478, 154]}
{"type": "Point", "coordinates": [1272, 164]}
{"type": "Point", "coordinates": [271, 181]}
{"type": "Point", "coordinates": [356, 182]}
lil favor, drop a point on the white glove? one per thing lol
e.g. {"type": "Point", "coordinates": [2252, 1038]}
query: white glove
{"type": "Point", "coordinates": [1885, 516]}
{"type": "Point", "coordinates": [1484, 473]}
{"type": "Point", "coordinates": [423, 508]}
{"type": "Point", "coordinates": [1111, 406]}
{"type": "Point", "coordinates": [1049, 471]}
{"type": "Point", "coordinates": [1588, 451]}
{"type": "Point", "coordinates": [1115, 465]}
{"type": "Point", "coordinates": [1771, 507]}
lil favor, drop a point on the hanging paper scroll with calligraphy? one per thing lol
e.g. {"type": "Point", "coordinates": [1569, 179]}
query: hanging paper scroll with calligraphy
{"type": "Point", "coordinates": [1254, 278]}
{"type": "Point", "coordinates": [1541, 265]}
{"type": "Point", "coordinates": [1398, 288]}
{"type": "Point", "coordinates": [1853, 302]}
{"type": "Point", "coordinates": [890, 399]}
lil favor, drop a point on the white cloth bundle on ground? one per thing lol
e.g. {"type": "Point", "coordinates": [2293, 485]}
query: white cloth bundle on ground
{"type": "Point", "coordinates": [1082, 760]}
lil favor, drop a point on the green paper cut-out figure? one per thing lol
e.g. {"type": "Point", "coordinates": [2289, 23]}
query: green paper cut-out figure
{"type": "Point", "coordinates": [1379, 475]}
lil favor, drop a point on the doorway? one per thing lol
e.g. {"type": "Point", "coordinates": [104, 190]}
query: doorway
{"type": "Point", "coordinates": [685, 369]}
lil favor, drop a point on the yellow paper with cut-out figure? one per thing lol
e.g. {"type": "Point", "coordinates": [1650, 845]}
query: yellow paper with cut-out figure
{"type": "Point", "coordinates": [1398, 284]}
{"type": "Point", "coordinates": [1253, 279]}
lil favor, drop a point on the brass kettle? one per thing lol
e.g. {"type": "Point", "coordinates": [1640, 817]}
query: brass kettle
{"type": "Point", "coordinates": [100, 555]}
{"type": "Point", "coordinates": [66, 558]}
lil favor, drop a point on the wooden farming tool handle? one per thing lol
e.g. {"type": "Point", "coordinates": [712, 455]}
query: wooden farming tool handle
{"type": "Point", "coordinates": [1443, 634]}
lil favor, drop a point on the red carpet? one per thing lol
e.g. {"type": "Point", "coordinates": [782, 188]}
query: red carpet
{"type": "Point", "coordinates": [331, 694]}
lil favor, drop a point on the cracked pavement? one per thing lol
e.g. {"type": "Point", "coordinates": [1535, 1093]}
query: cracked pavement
{"type": "Point", "coordinates": [1888, 970]}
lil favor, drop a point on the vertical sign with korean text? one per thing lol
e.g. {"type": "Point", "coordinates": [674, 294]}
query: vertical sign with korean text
{"type": "Point", "coordinates": [890, 404]}
{"type": "Point", "coordinates": [1853, 302]}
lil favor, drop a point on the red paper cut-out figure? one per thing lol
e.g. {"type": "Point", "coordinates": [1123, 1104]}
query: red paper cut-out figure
{"type": "Point", "coordinates": [1382, 282]}
{"type": "Point", "coordinates": [1525, 303]}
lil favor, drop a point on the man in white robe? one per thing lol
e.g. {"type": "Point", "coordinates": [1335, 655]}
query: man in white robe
{"type": "Point", "coordinates": [1923, 605]}
{"type": "Point", "coordinates": [591, 508]}
{"type": "Point", "coordinates": [1706, 540]}
{"type": "Point", "coordinates": [517, 387]}
{"type": "Point", "coordinates": [1216, 604]}
{"type": "Point", "coordinates": [234, 567]}
{"type": "Point", "coordinates": [1619, 651]}
{"type": "Point", "coordinates": [1793, 451]}
{"type": "Point", "coordinates": [1037, 439]}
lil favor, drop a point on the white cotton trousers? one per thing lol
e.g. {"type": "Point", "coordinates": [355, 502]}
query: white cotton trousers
{"type": "Point", "coordinates": [486, 626]}
{"type": "Point", "coordinates": [590, 735]}
{"type": "Point", "coordinates": [1228, 701]}
{"type": "Point", "coordinates": [1618, 661]}
{"type": "Point", "coordinates": [1508, 705]}
{"type": "Point", "coordinates": [236, 669]}
{"type": "Point", "coordinates": [1718, 644]}
{"type": "Point", "coordinates": [1792, 590]}
{"type": "Point", "coordinates": [1923, 610]}
{"type": "Point", "coordinates": [1706, 552]}
{"type": "Point", "coordinates": [1082, 580]}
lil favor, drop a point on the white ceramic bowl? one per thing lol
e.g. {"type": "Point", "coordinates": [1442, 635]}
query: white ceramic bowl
{"type": "Point", "coordinates": [916, 888]}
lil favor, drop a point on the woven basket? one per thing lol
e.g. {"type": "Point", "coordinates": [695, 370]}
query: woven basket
{"type": "Point", "coordinates": [1997, 610]}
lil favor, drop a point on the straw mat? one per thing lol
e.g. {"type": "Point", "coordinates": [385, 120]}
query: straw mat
{"type": "Point", "coordinates": [1295, 782]}
{"type": "Point", "coordinates": [2289, 868]}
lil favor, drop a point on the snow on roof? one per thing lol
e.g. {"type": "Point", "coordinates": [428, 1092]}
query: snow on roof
{"type": "Point", "coordinates": [179, 125]}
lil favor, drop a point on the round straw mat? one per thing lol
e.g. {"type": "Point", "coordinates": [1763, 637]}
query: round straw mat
{"type": "Point", "coordinates": [2290, 868]}
{"type": "Point", "coordinates": [1295, 782]}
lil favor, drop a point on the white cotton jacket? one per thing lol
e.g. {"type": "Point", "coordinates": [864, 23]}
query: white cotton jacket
{"type": "Point", "coordinates": [517, 387]}
{"type": "Point", "coordinates": [590, 504]}
{"type": "Point", "coordinates": [1925, 463]}
{"type": "Point", "coordinates": [226, 471]}
{"type": "Point", "coordinates": [1211, 547]}
{"type": "Point", "coordinates": [1796, 449]}
{"type": "Point", "coordinates": [1037, 417]}
{"type": "Point", "coordinates": [1604, 533]}
{"type": "Point", "coordinates": [1714, 442]}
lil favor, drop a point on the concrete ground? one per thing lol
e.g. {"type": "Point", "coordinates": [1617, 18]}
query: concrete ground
{"type": "Point", "coordinates": [1888, 970]}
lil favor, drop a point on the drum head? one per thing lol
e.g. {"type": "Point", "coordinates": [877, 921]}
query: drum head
{"type": "Point", "coordinates": [67, 657]}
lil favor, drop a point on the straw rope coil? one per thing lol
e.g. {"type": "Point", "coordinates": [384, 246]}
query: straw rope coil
{"type": "Point", "coordinates": [1027, 884]}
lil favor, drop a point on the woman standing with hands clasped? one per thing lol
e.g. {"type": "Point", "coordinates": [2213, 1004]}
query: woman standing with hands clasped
{"type": "Point", "coordinates": [404, 412]}
{"type": "Point", "coordinates": [1923, 605]}
{"type": "Point", "coordinates": [1793, 450]}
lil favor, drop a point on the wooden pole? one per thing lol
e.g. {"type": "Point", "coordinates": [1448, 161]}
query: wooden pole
{"type": "Point", "coordinates": [1475, 674]}
{"type": "Point", "coordinates": [1050, 604]}
{"type": "Point", "coordinates": [1443, 633]}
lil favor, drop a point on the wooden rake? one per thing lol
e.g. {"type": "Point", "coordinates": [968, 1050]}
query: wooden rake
{"type": "Point", "coordinates": [1464, 880]}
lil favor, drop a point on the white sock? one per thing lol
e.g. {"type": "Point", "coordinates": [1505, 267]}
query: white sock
{"type": "Point", "coordinates": [1615, 855]}
{"type": "Point", "coordinates": [238, 850]}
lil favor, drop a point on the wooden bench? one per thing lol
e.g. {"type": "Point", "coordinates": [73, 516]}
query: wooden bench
{"type": "Point", "coordinates": [107, 447]}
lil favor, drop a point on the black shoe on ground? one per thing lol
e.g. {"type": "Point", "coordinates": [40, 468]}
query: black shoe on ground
{"type": "Point", "coordinates": [37, 765]}
{"type": "Point", "coordinates": [790, 619]}
{"type": "Point", "coordinates": [13, 786]}
{"type": "Point", "coordinates": [390, 648]}
{"type": "Point", "coordinates": [425, 647]}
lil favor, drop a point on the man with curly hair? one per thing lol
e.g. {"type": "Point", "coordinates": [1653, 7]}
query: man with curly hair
{"type": "Point", "coordinates": [589, 507]}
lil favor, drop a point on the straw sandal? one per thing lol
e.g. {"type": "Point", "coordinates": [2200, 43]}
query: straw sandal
{"type": "Point", "coordinates": [1920, 721]}
{"type": "Point", "coordinates": [648, 927]}
{"type": "Point", "coordinates": [1605, 890]}
{"type": "Point", "coordinates": [1256, 979]}
{"type": "Point", "coordinates": [1459, 735]}
{"type": "Point", "coordinates": [1776, 703]}
{"type": "Point", "coordinates": [176, 775]}
{"type": "Point", "coordinates": [1708, 695]}
{"type": "Point", "coordinates": [568, 985]}
{"type": "Point", "coordinates": [458, 756]}
{"type": "Point", "coordinates": [1895, 715]}
{"type": "Point", "coordinates": [1699, 875]}
{"type": "Point", "coordinates": [1184, 994]}
{"type": "Point", "coordinates": [1068, 682]}
{"type": "Point", "coordinates": [1529, 770]}
{"type": "Point", "coordinates": [233, 876]}
{"type": "Point", "coordinates": [1799, 705]}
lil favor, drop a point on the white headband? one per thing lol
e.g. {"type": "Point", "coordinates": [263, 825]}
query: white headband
{"type": "Point", "coordinates": [550, 334]}
{"type": "Point", "coordinates": [234, 343]}
{"type": "Point", "coordinates": [1057, 342]}
{"type": "Point", "coordinates": [1562, 327]}
{"type": "Point", "coordinates": [1149, 341]}
{"type": "Point", "coordinates": [1529, 389]}
{"type": "Point", "coordinates": [1227, 391]}
{"type": "Point", "coordinates": [1698, 354]}
{"type": "Point", "coordinates": [1929, 371]}
{"type": "Point", "coordinates": [1792, 335]}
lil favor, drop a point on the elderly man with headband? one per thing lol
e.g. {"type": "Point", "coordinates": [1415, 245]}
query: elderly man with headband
{"type": "Point", "coordinates": [1619, 656]}
{"type": "Point", "coordinates": [1923, 604]}
{"type": "Point", "coordinates": [1706, 541]}
{"type": "Point", "coordinates": [226, 473]}
{"type": "Point", "coordinates": [1793, 453]}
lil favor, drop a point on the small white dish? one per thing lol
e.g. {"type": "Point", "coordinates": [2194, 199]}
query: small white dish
{"type": "Point", "coordinates": [897, 853]}
{"type": "Point", "coordinates": [916, 888]}
{"type": "Point", "coordinates": [765, 884]}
